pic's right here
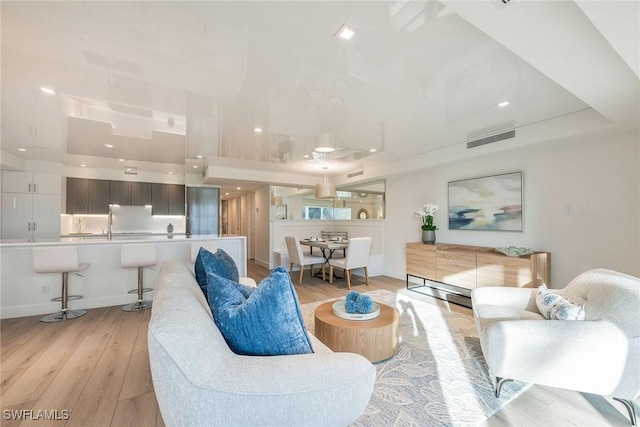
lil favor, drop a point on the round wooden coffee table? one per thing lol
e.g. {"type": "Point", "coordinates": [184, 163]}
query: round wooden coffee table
{"type": "Point", "coordinates": [375, 339]}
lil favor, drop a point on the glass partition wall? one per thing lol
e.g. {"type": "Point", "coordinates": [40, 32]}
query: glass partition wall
{"type": "Point", "coordinates": [357, 202]}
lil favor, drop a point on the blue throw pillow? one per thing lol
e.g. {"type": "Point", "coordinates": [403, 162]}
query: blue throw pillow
{"type": "Point", "coordinates": [219, 263]}
{"type": "Point", "coordinates": [213, 287]}
{"type": "Point", "coordinates": [267, 323]}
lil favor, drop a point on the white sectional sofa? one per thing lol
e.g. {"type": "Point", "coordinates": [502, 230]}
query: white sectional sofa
{"type": "Point", "coordinates": [199, 381]}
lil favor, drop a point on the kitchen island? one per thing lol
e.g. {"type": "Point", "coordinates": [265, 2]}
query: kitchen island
{"type": "Point", "coordinates": [105, 283]}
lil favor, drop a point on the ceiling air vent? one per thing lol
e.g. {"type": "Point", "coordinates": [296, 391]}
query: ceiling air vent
{"type": "Point", "coordinates": [500, 3]}
{"type": "Point", "coordinates": [130, 170]}
{"type": "Point", "coordinates": [490, 139]}
{"type": "Point", "coordinates": [358, 173]}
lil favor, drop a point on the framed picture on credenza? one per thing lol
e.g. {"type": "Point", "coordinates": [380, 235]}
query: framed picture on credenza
{"type": "Point", "coordinates": [487, 203]}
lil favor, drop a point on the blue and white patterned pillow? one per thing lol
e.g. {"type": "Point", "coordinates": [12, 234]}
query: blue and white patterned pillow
{"type": "Point", "coordinates": [554, 306]}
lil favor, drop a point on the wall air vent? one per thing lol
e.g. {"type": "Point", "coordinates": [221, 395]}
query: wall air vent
{"type": "Point", "coordinates": [130, 173]}
{"type": "Point", "coordinates": [358, 173]}
{"type": "Point", "coordinates": [492, 138]}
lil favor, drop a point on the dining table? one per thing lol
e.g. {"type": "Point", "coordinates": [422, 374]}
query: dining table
{"type": "Point", "coordinates": [327, 247]}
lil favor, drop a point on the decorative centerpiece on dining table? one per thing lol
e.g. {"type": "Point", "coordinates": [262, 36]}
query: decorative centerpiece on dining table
{"type": "Point", "coordinates": [426, 214]}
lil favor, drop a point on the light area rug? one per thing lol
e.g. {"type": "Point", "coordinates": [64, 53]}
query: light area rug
{"type": "Point", "coordinates": [438, 377]}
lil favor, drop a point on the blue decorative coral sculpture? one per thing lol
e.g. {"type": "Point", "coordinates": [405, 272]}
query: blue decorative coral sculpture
{"type": "Point", "coordinates": [358, 303]}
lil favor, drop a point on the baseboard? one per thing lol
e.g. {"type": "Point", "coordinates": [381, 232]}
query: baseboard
{"type": "Point", "coordinates": [262, 264]}
{"type": "Point", "coordinates": [84, 303]}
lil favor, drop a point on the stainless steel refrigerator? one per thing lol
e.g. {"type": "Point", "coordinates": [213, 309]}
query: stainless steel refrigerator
{"type": "Point", "coordinates": [203, 210]}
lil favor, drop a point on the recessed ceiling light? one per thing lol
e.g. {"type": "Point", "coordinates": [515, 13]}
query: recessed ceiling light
{"type": "Point", "coordinates": [83, 165]}
{"type": "Point", "coordinates": [121, 160]}
{"type": "Point", "coordinates": [336, 100]}
{"type": "Point", "coordinates": [226, 194]}
{"type": "Point", "coordinates": [195, 166]}
{"type": "Point", "coordinates": [372, 150]}
{"type": "Point", "coordinates": [108, 145]}
{"type": "Point", "coordinates": [503, 104]}
{"type": "Point", "coordinates": [317, 94]}
{"type": "Point", "coordinates": [345, 32]}
{"type": "Point", "coordinates": [47, 90]}
{"type": "Point", "coordinates": [257, 130]}
{"type": "Point", "coordinates": [22, 149]}
{"type": "Point", "coordinates": [306, 156]}
{"type": "Point", "coordinates": [199, 156]}
{"type": "Point", "coordinates": [311, 107]}
{"type": "Point", "coordinates": [170, 173]}
{"type": "Point", "coordinates": [238, 188]}
{"type": "Point", "coordinates": [341, 84]}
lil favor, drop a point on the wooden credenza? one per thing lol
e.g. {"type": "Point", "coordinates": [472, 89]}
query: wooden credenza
{"type": "Point", "coordinates": [462, 268]}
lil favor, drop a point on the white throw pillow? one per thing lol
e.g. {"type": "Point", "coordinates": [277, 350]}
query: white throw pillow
{"type": "Point", "coordinates": [554, 306]}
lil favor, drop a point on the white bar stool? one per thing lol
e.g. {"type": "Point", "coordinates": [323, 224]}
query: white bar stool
{"type": "Point", "coordinates": [139, 256]}
{"type": "Point", "coordinates": [60, 259]}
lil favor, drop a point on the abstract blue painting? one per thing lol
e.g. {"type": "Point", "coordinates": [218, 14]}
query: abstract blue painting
{"type": "Point", "coordinates": [486, 203]}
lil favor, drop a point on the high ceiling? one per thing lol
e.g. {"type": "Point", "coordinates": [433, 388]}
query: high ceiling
{"type": "Point", "coordinates": [161, 79]}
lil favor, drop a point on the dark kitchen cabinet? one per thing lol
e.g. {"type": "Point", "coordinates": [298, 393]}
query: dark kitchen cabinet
{"type": "Point", "coordinates": [176, 199]}
{"type": "Point", "coordinates": [87, 196]}
{"type": "Point", "coordinates": [159, 199]}
{"type": "Point", "coordinates": [167, 199]}
{"type": "Point", "coordinates": [126, 193]}
{"type": "Point", "coordinates": [120, 193]}
{"type": "Point", "coordinates": [77, 195]}
{"type": "Point", "coordinates": [98, 196]}
{"type": "Point", "coordinates": [141, 193]}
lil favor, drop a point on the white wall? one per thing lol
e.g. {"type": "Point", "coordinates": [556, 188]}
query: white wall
{"type": "Point", "coordinates": [262, 205]}
{"type": "Point", "coordinates": [599, 177]}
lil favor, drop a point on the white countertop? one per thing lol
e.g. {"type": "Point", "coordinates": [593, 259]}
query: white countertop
{"type": "Point", "coordinates": [116, 239]}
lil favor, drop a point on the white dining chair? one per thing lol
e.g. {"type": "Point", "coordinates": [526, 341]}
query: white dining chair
{"type": "Point", "coordinates": [357, 257]}
{"type": "Point", "coordinates": [297, 257]}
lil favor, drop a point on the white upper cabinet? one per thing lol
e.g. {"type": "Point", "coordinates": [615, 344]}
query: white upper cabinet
{"type": "Point", "coordinates": [27, 182]}
{"type": "Point", "coordinates": [33, 119]}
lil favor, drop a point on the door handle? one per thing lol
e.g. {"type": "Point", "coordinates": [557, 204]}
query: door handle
{"type": "Point", "coordinates": [29, 187]}
{"type": "Point", "coordinates": [28, 226]}
{"type": "Point", "coordinates": [34, 226]}
{"type": "Point", "coordinates": [34, 188]}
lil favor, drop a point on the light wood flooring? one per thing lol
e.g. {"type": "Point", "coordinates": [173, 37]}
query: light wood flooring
{"type": "Point", "coordinates": [97, 369]}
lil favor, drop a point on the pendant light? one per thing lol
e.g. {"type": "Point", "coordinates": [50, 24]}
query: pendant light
{"type": "Point", "coordinates": [325, 190]}
{"type": "Point", "coordinates": [325, 143]}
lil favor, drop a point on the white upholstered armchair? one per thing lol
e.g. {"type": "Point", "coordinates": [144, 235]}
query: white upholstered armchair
{"type": "Point", "coordinates": [599, 355]}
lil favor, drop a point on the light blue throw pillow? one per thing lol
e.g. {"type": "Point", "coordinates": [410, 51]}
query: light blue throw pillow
{"type": "Point", "coordinates": [554, 306]}
{"type": "Point", "coordinates": [219, 263]}
{"type": "Point", "coordinates": [266, 323]}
